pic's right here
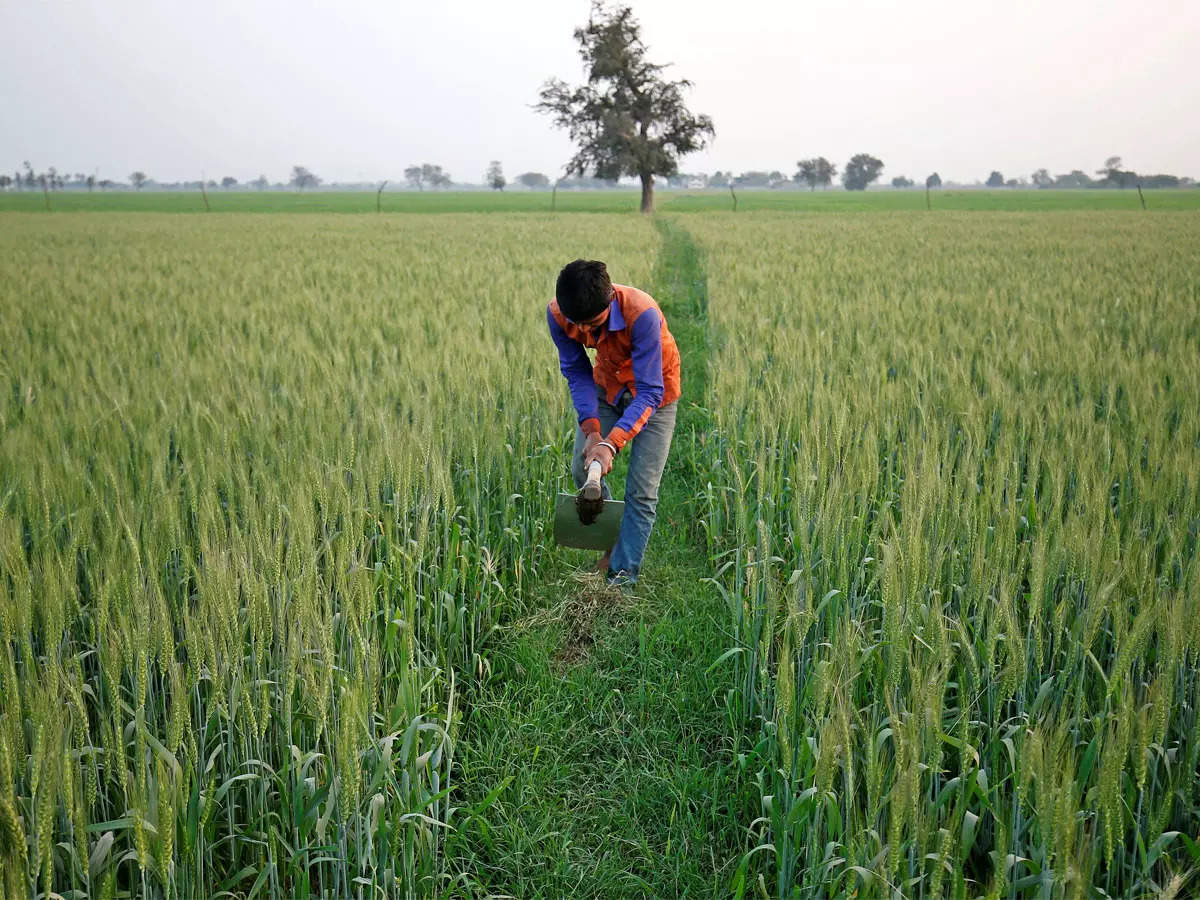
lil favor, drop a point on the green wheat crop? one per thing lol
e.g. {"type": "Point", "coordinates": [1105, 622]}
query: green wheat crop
{"type": "Point", "coordinates": [266, 486]}
{"type": "Point", "coordinates": [955, 506]}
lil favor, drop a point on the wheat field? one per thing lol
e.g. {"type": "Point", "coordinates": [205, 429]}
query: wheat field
{"type": "Point", "coordinates": [266, 485]}
{"type": "Point", "coordinates": [274, 500]}
{"type": "Point", "coordinates": [954, 505]}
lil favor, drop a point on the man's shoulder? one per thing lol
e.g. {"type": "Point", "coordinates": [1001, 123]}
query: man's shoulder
{"type": "Point", "coordinates": [626, 291]}
{"type": "Point", "coordinates": [634, 300]}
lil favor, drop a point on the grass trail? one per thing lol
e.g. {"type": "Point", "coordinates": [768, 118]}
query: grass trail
{"type": "Point", "coordinates": [599, 717]}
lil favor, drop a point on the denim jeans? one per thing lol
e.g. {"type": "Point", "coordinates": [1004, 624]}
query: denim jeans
{"type": "Point", "coordinates": [647, 458]}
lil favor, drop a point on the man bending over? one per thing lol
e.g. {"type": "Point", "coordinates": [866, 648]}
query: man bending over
{"type": "Point", "coordinates": [627, 398]}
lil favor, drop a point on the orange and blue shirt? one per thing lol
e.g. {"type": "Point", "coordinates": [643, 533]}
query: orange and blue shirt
{"type": "Point", "coordinates": [635, 352]}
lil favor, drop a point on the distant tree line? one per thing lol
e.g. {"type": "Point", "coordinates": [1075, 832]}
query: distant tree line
{"type": "Point", "coordinates": [860, 171]}
{"type": "Point", "coordinates": [863, 170]}
{"type": "Point", "coordinates": [52, 180]}
{"type": "Point", "coordinates": [1111, 175]}
{"type": "Point", "coordinates": [302, 178]}
{"type": "Point", "coordinates": [49, 180]}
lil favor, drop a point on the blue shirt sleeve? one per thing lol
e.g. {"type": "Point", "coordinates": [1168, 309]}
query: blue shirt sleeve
{"type": "Point", "coordinates": [573, 362]}
{"type": "Point", "coordinates": [646, 354]}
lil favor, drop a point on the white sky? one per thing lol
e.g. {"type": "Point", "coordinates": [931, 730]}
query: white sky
{"type": "Point", "coordinates": [357, 90]}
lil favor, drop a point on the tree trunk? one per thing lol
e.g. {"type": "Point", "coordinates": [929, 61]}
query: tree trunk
{"type": "Point", "coordinates": [647, 192]}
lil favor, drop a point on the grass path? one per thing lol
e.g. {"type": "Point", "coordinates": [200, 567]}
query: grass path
{"type": "Point", "coordinates": [599, 717]}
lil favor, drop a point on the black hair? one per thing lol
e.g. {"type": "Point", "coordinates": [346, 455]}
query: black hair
{"type": "Point", "coordinates": [583, 289]}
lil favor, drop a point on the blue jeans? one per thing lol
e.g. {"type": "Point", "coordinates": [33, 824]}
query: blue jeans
{"type": "Point", "coordinates": [647, 458]}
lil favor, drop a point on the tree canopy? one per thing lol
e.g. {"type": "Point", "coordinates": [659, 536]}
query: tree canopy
{"type": "Point", "coordinates": [1115, 175]}
{"type": "Point", "coordinates": [862, 169]}
{"type": "Point", "coordinates": [302, 178]}
{"type": "Point", "coordinates": [626, 119]}
{"type": "Point", "coordinates": [427, 173]}
{"type": "Point", "coordinates": [495, 176]}
{"type": "Point", "coordinates": [533, 180]}
{"type": "Point", "coordinates": [817, 170]}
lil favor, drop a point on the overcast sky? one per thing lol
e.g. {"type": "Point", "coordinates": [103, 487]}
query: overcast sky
{"type": "Point", "coordinates": [357, 90]}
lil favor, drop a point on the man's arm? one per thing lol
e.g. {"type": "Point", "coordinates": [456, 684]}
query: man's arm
{"type": "Point", "coordinates": [646, 354]}
{"type": "Point", "coordinates": [573, 362]}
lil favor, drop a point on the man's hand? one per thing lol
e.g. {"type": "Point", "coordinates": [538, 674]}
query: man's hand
{"type": "Point", "coordinates": [589, 445]}
{"type": "Point", "coordinates": [602, 451]}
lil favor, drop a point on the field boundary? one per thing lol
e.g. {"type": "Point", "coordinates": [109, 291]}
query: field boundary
{"type": "Point", "coordinates": [671, 202]}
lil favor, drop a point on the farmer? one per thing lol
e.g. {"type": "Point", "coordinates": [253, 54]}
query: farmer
{"type": "Point", "coordinates": [627, 398]}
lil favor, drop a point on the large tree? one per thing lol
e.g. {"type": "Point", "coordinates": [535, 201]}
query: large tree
{"type": "Point", "coordinates": [137, 179]}
{"type": "Point", "coordinates": [817, 170]}
{"type": "Point", "coordinates": [862, 169]}
{"type": "Point", "coordinates": [627, 119]}
{"type": "Point", "coordinates": [995, 180]}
